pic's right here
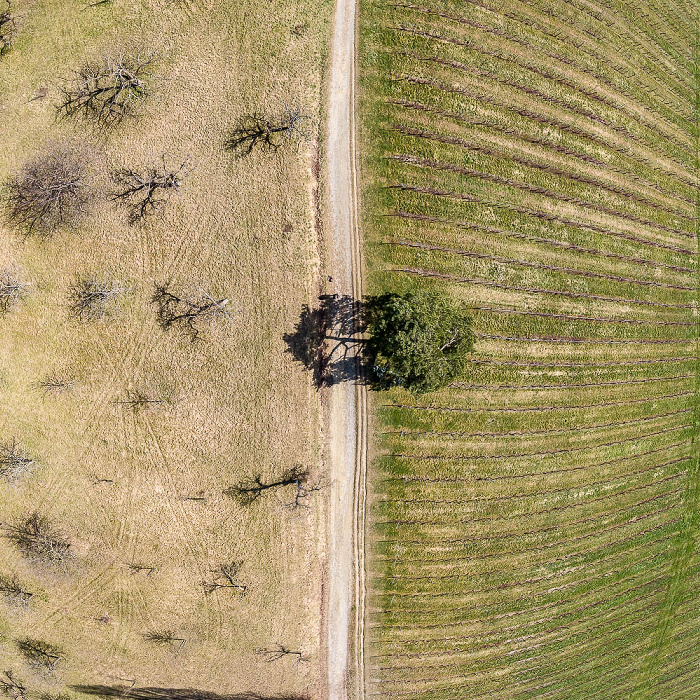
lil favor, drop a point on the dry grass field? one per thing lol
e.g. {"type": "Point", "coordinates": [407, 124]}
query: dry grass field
{"type": "Point", "coordinates": [145, 486]}
{"type": "Point", "coordinates": [535, 525]}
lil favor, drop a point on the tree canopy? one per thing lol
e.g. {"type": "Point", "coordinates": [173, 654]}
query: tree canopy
{"type": "Point", "coordinates": [419, 340]}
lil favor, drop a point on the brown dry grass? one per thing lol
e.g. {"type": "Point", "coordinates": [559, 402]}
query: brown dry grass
{"type": "Point", "coordinates": [244, 229]}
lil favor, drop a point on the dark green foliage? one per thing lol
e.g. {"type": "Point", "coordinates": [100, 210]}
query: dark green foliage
{"type": "Point", "coordinates": [419, 340]}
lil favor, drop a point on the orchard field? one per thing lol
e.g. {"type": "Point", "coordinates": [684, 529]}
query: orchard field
{"type": "Point", "coordinates": [134, 432]}
{"type": "Point", "coordinates": [535, 524]}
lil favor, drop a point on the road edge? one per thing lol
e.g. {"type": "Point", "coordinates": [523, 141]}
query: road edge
{"type": "Point", "coordinates": [348, 415]}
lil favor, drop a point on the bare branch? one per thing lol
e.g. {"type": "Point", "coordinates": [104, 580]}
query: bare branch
{"type": "Point", "coordinates": [12, 291]}
{"type": "Point", "coordinates": [268, 133]}
{"type": "Point", "coordinates": [187, 314]}
{"type": "Point", "coordinates": [40, 654]}
{"type": "Point", "coordinates": [15, 461]}
{"type": "Point", "coordinates": [107, 91]}
{"type": "Point", "coordinates": [137, 400]}
{"type": "Point", "coordinates": [146, 192]}
{"type": "Point", "coordinates": [302, 492]}
{"type": "Point", "coordinates": [49, 191]}
{"type": "Point", "coordinates": [54, 383]}
{"type": "Point", "coordinates": [456, 335]}
{"type": "Point", "coordinates": [249, 490]}
{"type": "Point", "coordinates": [36, 538]}
{"type": "Point", "coordinates": [12, 687]}
{"type": "Point", "coordinates": [225, 576]}
{"type": "Point", "coordinates": [13, 591]}
{"type": "Point", "coordinates": [165, 637]}
{"type": "Point", "coordinates": [279, 652]}
{"type": "Point", "coordinates": [91, 299]}
{"type": "Point", "coordinates": [141, 568]}
{"type": "Point", "coordinates": [200, 497]}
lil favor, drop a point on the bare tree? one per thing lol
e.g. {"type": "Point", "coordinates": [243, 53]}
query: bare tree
{"type": "Point", "coordinates": [138, 400]}
{"type": "Point", "coordinates": [12, 687]}
{"type": "Point", "coordinates": [90, 299]}
{"type": "Point", "coordinates": [15, 461]}
{"type": "Point", "coordinates": [54, 383]}
{"type": "Point", "coordinates": [225, 576]}
{"type": "Point", "coordinates": [7, 28]}
{"type": "Point", "coordinates": [13, 591]}
{"type": "Point", "coordinates": [12, 291]}
{"type": "Point", "coordinates": [252, 488]}
{"type": "Point", "coordinates": [39, 653]}
{"type": "Point", "coordinates": [51, 190]}
{"type": "Point", "coordinates": [107, 90]}
{"type": "Point", "coordinates": [145, 192]}
{"type": "Point", "coordinates": [173, 311]}
{"type": "Point", "coordinates": [199, 497]}
{"type": "Point", "coordinates": [279, 652]}
{"type": "Point", "coordinates": [303, 490]}
{"type": "Point", "coordinates": [137, 568]}
{"type": "Point", "coordinates": [268, 133]}
{"type": "Point", "coordinates": [37, 539]}
{"type": "Point", "coordinates": [165, 637]}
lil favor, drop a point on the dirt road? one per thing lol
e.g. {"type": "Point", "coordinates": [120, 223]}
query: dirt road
{"type": "Point", "coordinates": [348, 406]}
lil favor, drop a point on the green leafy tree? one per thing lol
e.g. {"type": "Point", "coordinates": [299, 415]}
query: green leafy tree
{"type": "Point", "coordinates": [419, 340]}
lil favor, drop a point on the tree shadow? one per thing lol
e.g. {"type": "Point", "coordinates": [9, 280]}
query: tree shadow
{"type": "Point", "coordinates": [327, 340]}
{"type": "Point", "coordinates": [150, 693]}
